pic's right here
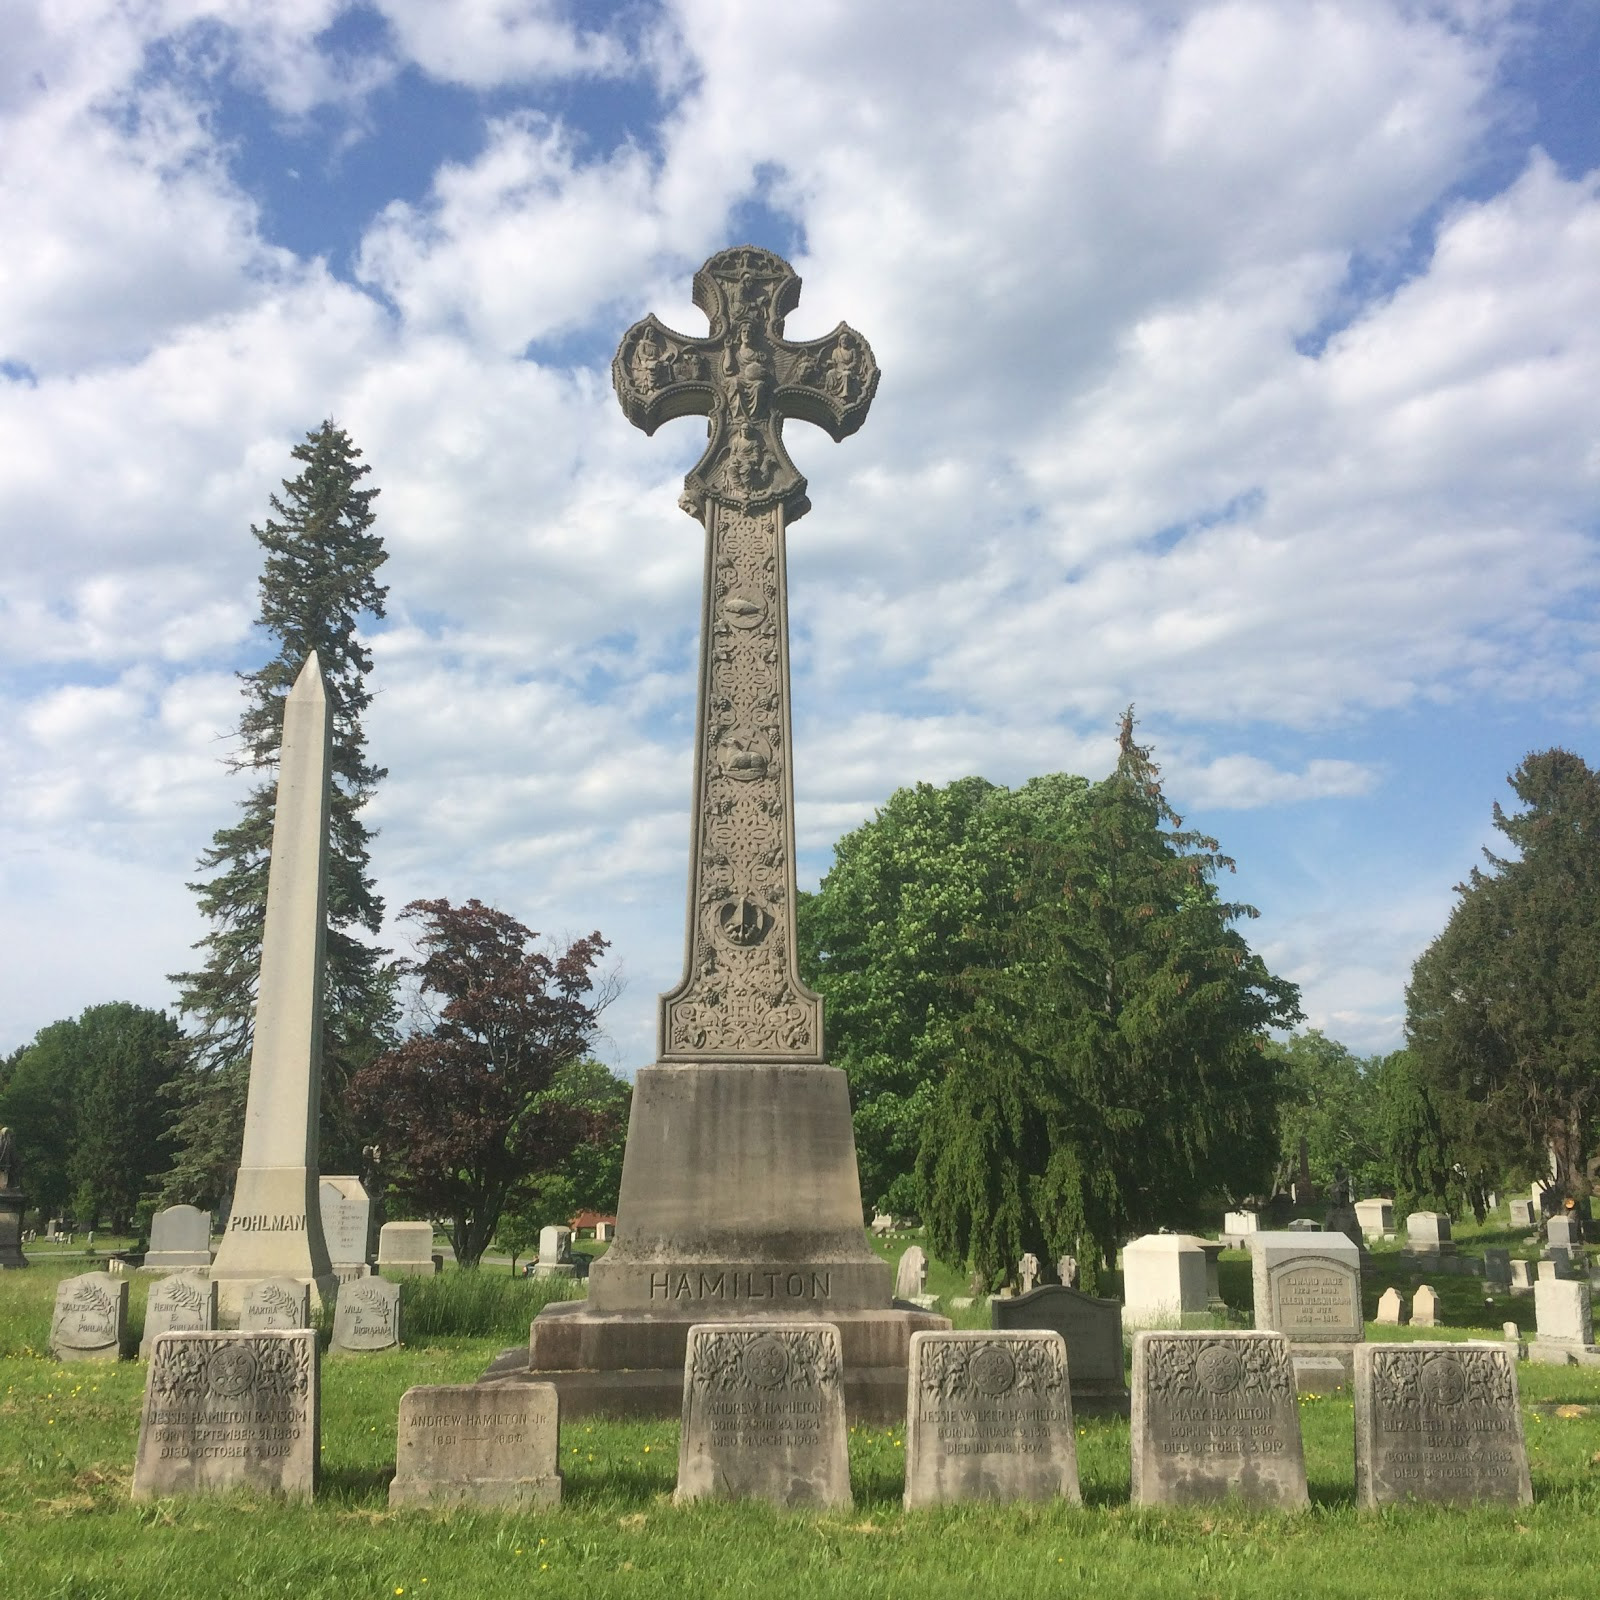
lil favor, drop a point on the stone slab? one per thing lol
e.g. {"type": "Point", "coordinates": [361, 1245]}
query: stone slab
{"type": "Point", "coordinates": [185, 1302]}
{"type": "Point", "coordinates": [1163, 1281]}
{"type": "Point", "coordinates": [1425, 1307]}
{"type": "Point", "coordinates": [763, 1416]}
{"type": "Point", "coordinates": [989, 1417]}
{"type": "Point", "coordinates": [1438, 1422]}
{"type": "Point", "coordinates": [479, 1445]}
{"type": "Point", "coordinates": [1376, 1217]}
{"type": "Point", "coordinates": [346, 1222]}
{"type": "Point", "coordinates": [275, 1304]}
{"type": "Point", "coordinates": [1563, 1312]}
{"type": "Point", "coordinates": [225, 1411]}
{"type": "Point", "coordinates": [366, 1316]}
{"type": "Point", "coordinates": [91, 1318]}
{"type": "Point", "coordinates": [911, 1274]}
{"type": "Point", "coordinates": [1391, 1308]}
{"type": "Point", "coordinates": [1092, 1329]}
{"type": "Point", "coordinates": [1215, 1416]}
{"type": "Point", "coordinates": [406, 1249]}
{"type": "Point", "coordinates": [180, 1240]}
{"type": "Point", "coordinates": [1308, 1287]}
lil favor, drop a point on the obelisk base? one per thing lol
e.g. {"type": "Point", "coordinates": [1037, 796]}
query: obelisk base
{"type": "Point", "coordinates": [274, 1231]}
{"type": "Point", "coordinates": [13, 1208]}
{"type": "Point", "coordinates": [740, 1201]}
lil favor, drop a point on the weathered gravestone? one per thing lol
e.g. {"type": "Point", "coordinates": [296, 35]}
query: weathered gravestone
{"type": "Point", "coordinates": [1215, 1414]}
{"type": "Point", "coordinates": [1438, 1422]}
{"type": "Point", "coordinates": [347, 1225]}
{"type": "Point", "coordinates": [227, 1411]}
{"type": "Point", "coordinates": [1521, 1276]}
{"type": "Point", "coordinates": [1425, 1307]}
{"type": "Point", "coordinates": [1564, 1318]}
{"type": "Point", "coordinates": [406, 1248]}
{"type": "Point", "coordinates": [91, 1318]}
{"type": "Point", "coordinates": [1067, 1271]}
{"type": "Point", "coordinates": [989, 1417]}
{"type": "Point", "coordinates": [1237, 1225]}
{"type": "Point", "coordinates": [180, 1239]}
{"type": "Point", "coordinates": [1308, 1287]}
{"type": "Point", "coordinates": [555, 1254]}
{"type": "Point", "coordinates": [366, 1315]}
{"type": "Point", "coordinates": [1163, 1281]}
{"type": "Point", "coordinates": [1496, 1270]}
{"type": "Point", "coordinates": [1428, 1236]}
{"type": "Point", "coordinates": [1027, 1273]}
{"type": "Point", "coordinates": [1556, 1263]}
{"type": "Point", "coordinates": [911, 1275]}
{"type": "Point", "coordinates": [478, 1444]}
{"type": "Point", "coordinates": [763, 1415]}
{"type": "Point", "coordinates": [1562, 1232]}
{"type": "Point", "coordinates": [1523, 1214]}
{"type": "Point", "coordinates": [1092, 1329]}
{"type": "Point", "coordinates": [274, 1227]}
{"type": "Point", "coordinates": [1391, 1308]}
{"type": "Point", "coordinates": [275, 1304]}
{"type": "Point", "coordinates": [1376, 1217]}
{"type": "Point", "coordinates": [182, 1303]}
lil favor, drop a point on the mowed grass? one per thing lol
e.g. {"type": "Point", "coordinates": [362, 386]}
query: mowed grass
{"type": "Point", "coordinates": [69, 1532]}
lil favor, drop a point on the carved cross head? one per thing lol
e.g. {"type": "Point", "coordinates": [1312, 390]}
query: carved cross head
{"type": "Point", "coordinates": [745, 378]}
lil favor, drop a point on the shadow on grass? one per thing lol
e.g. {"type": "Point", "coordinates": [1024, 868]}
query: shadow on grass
{"type": "Point", "coordinates": [355, 1485]}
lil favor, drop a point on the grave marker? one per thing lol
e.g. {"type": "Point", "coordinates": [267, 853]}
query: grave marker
{"type": "Point", "coordinates": [1092, 1329]}
{"type": "Point", "coordinates": [1215, 1414]}
{"type": "Point", "coordinates": [275, 1305]}
{"type": "Point", "coordinates": [180, 1239]}
{"type": "Point", "coordinates": [1163, 1281]}
{"type": "Point", "coordinates": [1308, 1287]}
{"type": "Point", "coordinates": [763, 1415]}
{"type": "Point", "coordinates": [182, 1303]}
{"type": "Point", "coordinates": [366, 1315]}
{"type": "Point", "coordinates": [407, 1248]}
{"type": "Point", "coordinates": [1424, 1307]}
{"type": "Point", "coordinates": [347, 1225]}
{"type": "Point", "coordinates": [91, 1318]}
{"type": "Point", "coordinates": [989, 1417]}
{"type": "Point", "coordinates": [227, 1411]}
{"type": "Point", "coordinates": [1376, 1217]}
{"type": "Point", "coordinates": [478, 1444]}
{"type": "Point", "coordinates": [1391, 1308]}
{"type": "Point", "coordinates": [1438, 1422]}
{"type": "Point", "coordinates": [911, 1275]}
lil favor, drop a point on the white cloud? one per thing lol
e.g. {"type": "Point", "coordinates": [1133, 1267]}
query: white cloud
{"type": "Point", "coordinates": [486, 43]}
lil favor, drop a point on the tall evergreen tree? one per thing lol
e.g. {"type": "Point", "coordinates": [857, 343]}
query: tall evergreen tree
{"type": "Point", "coordinates": [317, 582]}
{"type": "Point", "coordinates": [1112, 1072]}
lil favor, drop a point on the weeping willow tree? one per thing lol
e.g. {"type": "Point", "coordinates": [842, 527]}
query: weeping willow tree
{"type": "Point", "coordinates": [1111, 1071]}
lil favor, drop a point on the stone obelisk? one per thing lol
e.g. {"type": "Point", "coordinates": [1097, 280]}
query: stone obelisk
{"type": "Point", "coordinates": [275, 1226]}
{"type": "Point", "coordinates": [740, 1192]}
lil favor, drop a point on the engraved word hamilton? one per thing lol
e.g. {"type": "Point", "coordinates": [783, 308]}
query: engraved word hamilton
{"type": "Point", "coordinates": [741, 996]}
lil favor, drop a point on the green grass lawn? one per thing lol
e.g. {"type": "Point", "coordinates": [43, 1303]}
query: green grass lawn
{"type": "Point", "coordinates": [69, 1532]}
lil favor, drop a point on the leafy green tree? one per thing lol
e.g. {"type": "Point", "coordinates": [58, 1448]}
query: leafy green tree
{"type": "Point", "coordinates": [318, 581]}
{"type": "Point", "coordinates": [1331, 1101]}
{"type": "Point", "coordinates": [469, 1112]}
{"type": "Point", "coordinates": [1503, 1008]}
{"type": "Point", "coordinates": [1113, 1070]}
{"type": "Point", "coordinates": [1419, 1159]}
{"type": "Point", "coordinates": [84, 1101]}
{"type": "Point", "coordinates": [913, 899]}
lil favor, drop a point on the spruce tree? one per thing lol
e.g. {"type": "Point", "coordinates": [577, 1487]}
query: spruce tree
{"type": "Point", "coordinates": [317, 582]}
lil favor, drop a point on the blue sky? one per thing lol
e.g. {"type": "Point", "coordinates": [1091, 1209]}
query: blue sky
{"type": "Point", "coordinates": [1241, 362]}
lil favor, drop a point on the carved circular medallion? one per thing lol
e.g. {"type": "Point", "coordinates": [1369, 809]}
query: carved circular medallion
{"type": "Point", "coordinates": [744, 922]}
{"type": "Point", "coordinates": [1442, 1381]}
{"type": "Point", "coordinates": [1220, 1369]}
{"type": "Point", "coordinates": [743, 608]}
{"type": "Point", "coordinates": [993, 1370]}
{"type": "Point", "coordinates": [232, 1370]}
{"type": "Point", "coordinates": [744, 754]}
{"type": "Point", "coordinates": [766, 1362]}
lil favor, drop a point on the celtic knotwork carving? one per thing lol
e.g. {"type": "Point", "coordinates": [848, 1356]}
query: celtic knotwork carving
{"type": "Point", "coordinates": [734, 1358]}
{"type": "Point", "coordinates": [976, 1370]}
{"type": "Point", "coordinates": [190, 1369]}
{"type": "Point", "coordinates": [1193, 1368]}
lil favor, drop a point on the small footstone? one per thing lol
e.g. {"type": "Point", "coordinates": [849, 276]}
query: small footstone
{"type": "Point", "coordinates": [183, 1303]}
{"type": "Point", "coordinates": [1391, 1308]}
{"type": "Point", "coordinates": [1214, 1415]}
{"type": "Point", "coordinates": [229, 1411]}
{"type": "Point", "coordinates": [275, 1304]}
{"type": "Point", "coordinates": [366, 1315]}
{"type": "Point", "coordinates": [1438, 1422]}
{"type": "Point", "coordinates": [1425, 1307]}
{"type": "Point", "coordinates": [478, 1444]}
{"type": "Point", "coordinates": [91, 1317]}
{"type": "Point", "coordinates": [989, 1417]}
{"type": "Point", "coordinates": [763, 1415]}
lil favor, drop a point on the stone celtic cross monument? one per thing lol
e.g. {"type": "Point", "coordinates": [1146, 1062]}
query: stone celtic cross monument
{"type": "Point", "coordinates": [740, 1193]}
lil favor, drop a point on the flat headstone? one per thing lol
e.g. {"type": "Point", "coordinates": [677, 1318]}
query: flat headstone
{"type": "Point", "coordinates": [346, 1224]}
{"type": "Point", "coordinates": [1092, 1329]}
{"type": "Point", "coordinates": [1391, 1308]}
{"type": "Point", "coordinates": [275, 1304]}
{"type": "Point", "coordinates": [763, 1415]}
{"type": "Point", "coordinates": [1438, 1422]}
{"type": "Point", "coordinates": [478, 1444]}
{"type": "Point", "coordinates": [182, 1303]}
{"type": "Point", "coordinates": [1163, 1281]}
{"type": "Point", "coordinates": [366, 1315]}
{"type": "Point", "coordinates": [226, 1411]}
{"type": "Point", "coordinates": [1216, 1414]}
{"type": "Point", "coordinates": [406, 1248]}
{"type": "Point", "coordinates": [989, 1417]}
{"type": "Point", "coordinates": [1497, 1268]}
{"type": "Point", "coordinates": [91, 1318]}
{"type": "Point", "coordinates": [911, 1275]}
{"type": "Point", "coordinates": [1376, 1217]}
{"type": "Point", "coordinates": [1425, 1307]}
{"type": "Point", "coordinates": [180, 1239]}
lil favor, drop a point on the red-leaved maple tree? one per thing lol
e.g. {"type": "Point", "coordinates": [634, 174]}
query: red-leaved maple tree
{"type": "Point", "coordinates": [464, 1111]}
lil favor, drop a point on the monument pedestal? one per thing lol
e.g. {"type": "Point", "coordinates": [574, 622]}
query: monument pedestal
{"type": "Point", "coordinates": [274, 1231]}
{"type": "Point", "coordinates": [740, 1202]}
{"type": "Point", "coordinates": [13, 1207]}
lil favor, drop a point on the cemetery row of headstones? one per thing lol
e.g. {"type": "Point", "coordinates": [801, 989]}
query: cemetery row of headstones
{"type": "Point", "coordinates": [989, 1416]}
